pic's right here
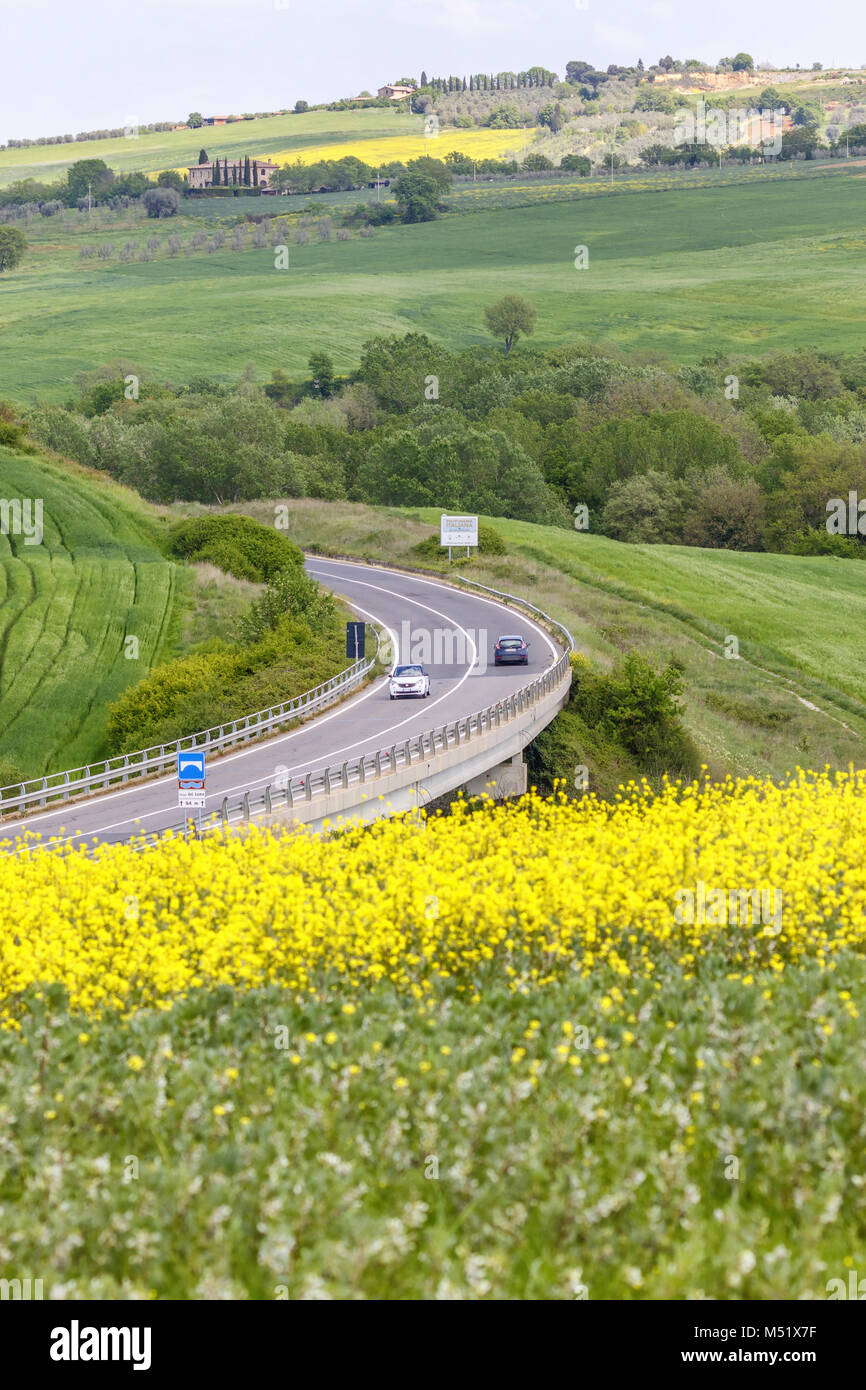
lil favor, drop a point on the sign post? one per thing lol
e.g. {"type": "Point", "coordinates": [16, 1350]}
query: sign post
{"type": "Point", "coordinates": [458, 530]}
{"type": "Point", "coordinates": [191, 781]}
{"type": "Point", "coordinates": [355, 640]}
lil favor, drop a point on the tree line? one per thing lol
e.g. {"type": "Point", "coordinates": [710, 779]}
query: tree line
{"type": "Point", "coordinates": [734, 453]}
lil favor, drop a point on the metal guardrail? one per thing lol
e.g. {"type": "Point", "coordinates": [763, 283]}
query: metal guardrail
{"type": "Point", "coordinates": [370, 767]}
{"type": "Point", "coordinates": [515, 598]}
{"type": "Point", "coordinates": [84, 781]}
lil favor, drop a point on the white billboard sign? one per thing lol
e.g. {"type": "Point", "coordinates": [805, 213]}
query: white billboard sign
{"type": "Point", "coordinates": [458, 530]}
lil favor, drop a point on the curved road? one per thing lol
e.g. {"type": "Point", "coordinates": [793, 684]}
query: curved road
{"type": "Point", "coordinates": [452, 632]}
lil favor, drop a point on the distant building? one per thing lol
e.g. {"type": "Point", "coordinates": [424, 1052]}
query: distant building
{"type": "Point", "coordinates": [231, 173]}
{"type": "Point", "coordinates": [395, 93]}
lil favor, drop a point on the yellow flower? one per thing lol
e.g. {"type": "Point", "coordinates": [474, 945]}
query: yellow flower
{"type": "Point", "coordinates": [136, 1063]}
{"type": "Point", "coordinates": [401, 1083]}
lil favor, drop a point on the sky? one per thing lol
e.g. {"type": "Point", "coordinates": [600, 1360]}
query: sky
{"type": "Point", "coordinates": [98, 64]}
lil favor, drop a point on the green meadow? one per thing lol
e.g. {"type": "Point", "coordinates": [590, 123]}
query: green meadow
{"type": "Point", "coordinates": [748, 267]}
{"type": "Point", "coordinates": [172, 149]}
{"type": "Point", "coordinates": [67, 608]}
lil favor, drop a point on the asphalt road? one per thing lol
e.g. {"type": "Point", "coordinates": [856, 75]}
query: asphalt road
{"type": "Point", "coordinates": [450, 631]}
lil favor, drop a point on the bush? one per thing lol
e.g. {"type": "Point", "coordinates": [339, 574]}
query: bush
{"type": "Point", "coordinates": [290, 593]}
{"type": "Point", "coordinates": [576, 164]}
{"type": "Point", "coordinates": [489, 543]}
{"type": "Point", "coordinates": [619, 725]}
{"type": "Point", "coordinates": [10, 774]}
{"type": "Point", "coordinates": [12, 430]}
{"type": "Point", "coordinates": [236, 544]}
{"type": "Point", "coordinates": [161, 202]}
{"type": "Point", "coordinates": [210, 688]}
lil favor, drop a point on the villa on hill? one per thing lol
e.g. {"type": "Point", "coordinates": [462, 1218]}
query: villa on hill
{"type": "Point", "coordinates": [226, 173]}
{"type": "Point", "coordinates": [395, 93]}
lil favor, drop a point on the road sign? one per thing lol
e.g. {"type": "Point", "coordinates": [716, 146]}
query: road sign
{"type": "Point", "coordinates": [355, 641]}
{"type": "Point", "coordinates": [458, 530]}
{"type": "Point", "coordinates": [190, 769]}
{"type": "Point", "coordinates": [190, 780]}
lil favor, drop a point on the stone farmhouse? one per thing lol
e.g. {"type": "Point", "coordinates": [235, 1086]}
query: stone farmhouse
{"type": "Point", "coordinates": [223, 173]}
{"type": "Point", "coordinates": [395, 93]}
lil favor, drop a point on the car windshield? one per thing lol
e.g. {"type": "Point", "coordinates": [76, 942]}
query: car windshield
{"type": "Point", "coordinates": [408, 670]}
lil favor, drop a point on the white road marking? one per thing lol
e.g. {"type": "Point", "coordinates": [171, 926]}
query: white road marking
{"type": "Point", "coordinates": [282, 738]}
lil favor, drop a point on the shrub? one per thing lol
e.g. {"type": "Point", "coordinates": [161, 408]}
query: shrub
{"type": "Point", "coordinates": [161, 202]}
{"type": "Point", "coordinates": [489, 543]}
{"type": "Point", "coordinates": [237, 544]}
{"type": "Point", "coordinates": [10, 774]}
{"type": "Point", "coordinates": [290, 593]}
{"type": "Point", "coordinates": [619, 724]}
{"type": "Point", "coordinates": [12, 430]}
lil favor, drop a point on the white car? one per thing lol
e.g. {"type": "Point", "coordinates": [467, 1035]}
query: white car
{"type": "Point", "coordinates": [409, 681]}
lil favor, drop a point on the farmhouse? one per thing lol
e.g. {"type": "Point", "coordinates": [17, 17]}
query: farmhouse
{"type": "Point", "coordinates": [216, 173]}
{"type": "Point", "coordinates": [395, 93]}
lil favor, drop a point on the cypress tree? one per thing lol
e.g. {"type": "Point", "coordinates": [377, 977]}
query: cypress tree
{"type": "Point", "coordinates": [423, 78]}
{"type": "Point", "coordinates": [247, 171]}
{"type": "Point", "coordinates": [215, 173]}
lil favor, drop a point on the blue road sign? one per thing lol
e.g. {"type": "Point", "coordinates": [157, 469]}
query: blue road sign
{"type": "Point", "coordinates": [190, 768]}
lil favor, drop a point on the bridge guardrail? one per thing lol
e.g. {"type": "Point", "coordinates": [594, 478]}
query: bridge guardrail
{"type": "Point", "coordinates": [84, 781]}
{"type": "Point", "coordinates": [289, 792]}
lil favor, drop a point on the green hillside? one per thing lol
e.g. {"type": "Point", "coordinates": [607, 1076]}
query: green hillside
{"type": "Point", "coordinates": [67, 607]}
{"type": "Point", "coordinates": [753, 266]}
{"type": "Point", "coordinates": [170, 149]}
{"type": "Point", "coordinates": [795, 696]}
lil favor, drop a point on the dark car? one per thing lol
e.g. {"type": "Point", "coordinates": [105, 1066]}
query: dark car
{"type": "Point", "coordinates": [510, 649]}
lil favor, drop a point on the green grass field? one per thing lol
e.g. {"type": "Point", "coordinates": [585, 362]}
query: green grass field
{"type": "Point", "coordinates": [308, 1173]}
{"type": "Point", "coordinates": [66, 608]}
{"type": "Point", "coordinates": [749, 267]}
{"type": "Point", "coordinates": [171, 149]}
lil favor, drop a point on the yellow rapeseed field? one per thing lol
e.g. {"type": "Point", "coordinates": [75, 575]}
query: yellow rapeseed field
{"type": "Point", "coordinates": [539, 887]}
{"type": "Point", "coordinates": [482, 144]}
